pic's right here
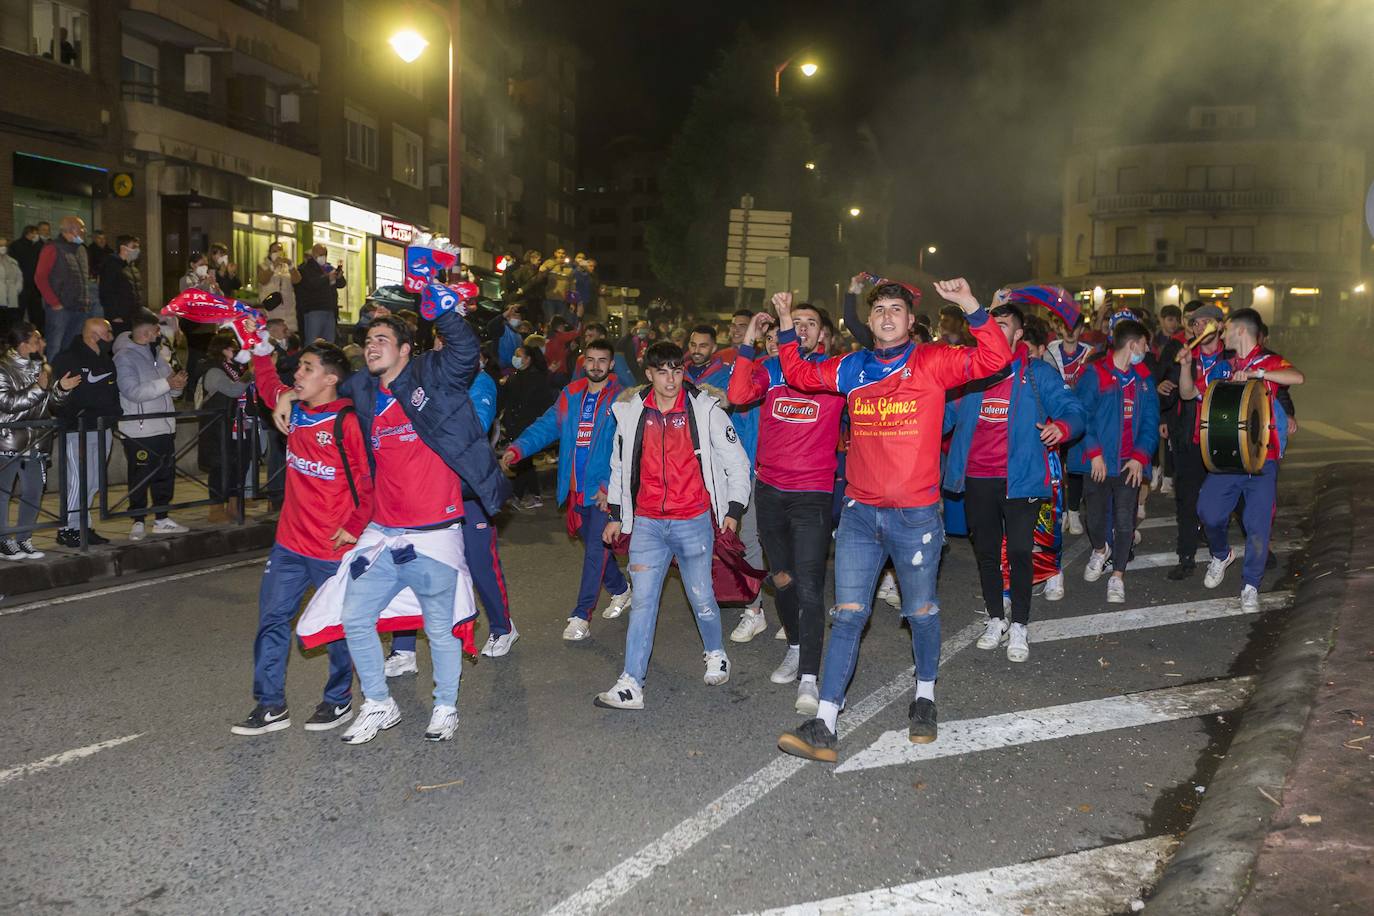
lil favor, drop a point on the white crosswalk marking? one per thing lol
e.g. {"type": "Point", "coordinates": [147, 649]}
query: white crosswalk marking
{"type": "Point", "coordinates": [969, 736]}
{"type": "Point", "coordinates": [57, 760]}
{"type": "Point", "coordinates": [1326, 430]}
{"type": "Point", "coordinates": [1301, 465]}
{"type": "Point", "coordinates": [1102, 880]}
{"type": "Point", "coordinates": [1146, 617]}
{"type": "Point", "coordinates": [1170, 558]}
{"type": "Point", "coordinates": [1169, 521]}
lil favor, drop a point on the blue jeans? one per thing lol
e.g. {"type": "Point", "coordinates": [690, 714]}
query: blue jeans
{"type": "Point", "coordinates": [484, 565]}
{"type": "Point", "coordinates": [284, 581]}
{"type": "Point", "coordinates": [61, 327]}
{"type": "Point", "coordinates": [868, 535]}
{"type": "Point", "coordinates": [598, 563]}
{"type": "Point", "coordinates": [370, 592]}
{"type": "Point", "coordinates": [320, 323]}
{"type": "Point", "coordinates": [1217, 500]}
{"type": "Point", "coordinates": [654, 543]}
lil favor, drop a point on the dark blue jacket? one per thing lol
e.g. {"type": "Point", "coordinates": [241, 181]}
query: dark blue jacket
{"type": "Point", "coordinates": [1037, 396]}
{"type": "Point", "coordinates": [1100, 395]}
{"type": "Point", "coordinates": [433, 392]}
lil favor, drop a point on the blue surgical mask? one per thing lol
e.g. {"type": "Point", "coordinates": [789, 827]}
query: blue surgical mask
{"type": "Point", "coordinates": [78, 240]}
{"type": "Point", "coordinates": [517, 362]}
{"type": "Point", "coordinates": [1137, 358]}
{"type": "Point", "coordinates": [514, 323]}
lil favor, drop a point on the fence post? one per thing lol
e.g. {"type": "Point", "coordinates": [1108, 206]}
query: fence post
{"type": "Point", "coordinates": [84, 512]}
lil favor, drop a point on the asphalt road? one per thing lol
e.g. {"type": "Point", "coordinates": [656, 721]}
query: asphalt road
{"type": "Point", "coordinates": [544, 800]}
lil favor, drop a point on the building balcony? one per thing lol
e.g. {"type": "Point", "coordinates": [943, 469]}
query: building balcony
{"type": "Point", "coordinates": [258, 41]}
{"type": "Point", "coordinates": [1172, 262]}
{"type": "Point", "coordinates": [1273, 199]}
{"type": "Point", "coordinates": [198, 105]}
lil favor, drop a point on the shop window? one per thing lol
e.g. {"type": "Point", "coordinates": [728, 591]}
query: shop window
{"type": "Point", "coordinates": [60, 31]}
{"type": "Point", "coordinates": [407, 156]}
{"type": "Point", "coordinates": [361, 137]}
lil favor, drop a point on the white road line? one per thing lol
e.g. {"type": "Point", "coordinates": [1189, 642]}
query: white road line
{"type": "Point", "coordinates": [1170, 558]}
{"type": "Point", "coordinates": [1327, 431]}
{"type": "Point", "coordinates": [1148, 617]}
{"type": "Point", "coordinates": [1296, 465]}
{"type": "Point", "coordinates": [115, 589]}
{"type": "Point", "coordinates": [1315, 449]}
{"type": "Point", "coordinates": [625, 876]}
{"type": "Point", "coordinates": [57, 760]}
{"type": "Point", "coordinates": [1102, 880]}
{"type": "Point", "coordinates": [1169, 521]}
{"type": "Point", "coordinates": [1050, 723]}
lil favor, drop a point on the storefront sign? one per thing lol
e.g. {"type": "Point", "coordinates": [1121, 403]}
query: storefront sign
{"type": "Point", "coordinates": [397, 231]}
{"type": "Point", "coordinates": [291, 206]}
{"type": "Point", "coordinates": [324, 210]}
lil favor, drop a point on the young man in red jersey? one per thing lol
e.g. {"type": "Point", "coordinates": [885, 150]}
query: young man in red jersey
{"type": "Point", "coordinates": [328, 504]}
{"type": "Point", "coordinates": [896, 396]}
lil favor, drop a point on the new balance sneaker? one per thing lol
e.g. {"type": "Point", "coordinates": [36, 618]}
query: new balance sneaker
{"type": "Point", "coordinates": [577, 629]}
{"type": "Point", "coordinates": [751, 624]}
{"type": "Point", "coordinates": [1018, 643]}
{"type": "Point", "coordinates": [717, 668]}
{"type": "Point", "coordinates": [375, 716]}
{"type": "Point", "coordinates": [9, 549]}
{"type": "Point", "coordinates": [786, 672]}
{"type": "Point", "coordinates": [1249, 600]}
{"type": "Point", "coordinates": [808, 698]}
{"type": "Point", "coordinates": [443, 722]}
{"type": "Point", "coordinates": [1216, 569]}
{"type": "Point", "coordinates": [626, 694]}
{"type": "Point", "coordinates": [168, 526]}
{"type": "Point", "coordinates": [1074, 521]}
{"type": "Point", "coordinates": [619, 604]}
{"type": "Point", "coordinates": [994, 634]}
{"type": "Point", "coordinates": [137, 531]}
{"type": "Point", "coordinates": [262, 720]}
{"type": "Point", "coordinates": [1054, 587]}
{"type": "Point", "coordinates": [497, 646]}
{"type": "Point", "coordinates": [887, 590]}
{"type": "Point", "coordinates": [812, 740]}
{"type": "Point", "coordinates": [1116, 590]}
{"type": "Point", "coordinates": [921, 726]}
{"type": "Point", "coordinates": [399, 663]}
{"type": "Point", "coordinates": [327, 716]}
{"type": "Point", "coordinates": [1097, 562]}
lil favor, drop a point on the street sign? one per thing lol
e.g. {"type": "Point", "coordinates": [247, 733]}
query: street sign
{"type": "Point", "coordinates": [752, 238]}
{"type": "Point", "coordinates": [790, 274]}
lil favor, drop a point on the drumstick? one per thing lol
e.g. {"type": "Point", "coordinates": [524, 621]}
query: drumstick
{"type": "Point", "coordinates": [1207, 331]}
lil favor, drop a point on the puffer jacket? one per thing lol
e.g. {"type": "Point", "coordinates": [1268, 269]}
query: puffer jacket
{"type": "Point", "coordinates": [22, 399]}
{"type": "Point", "coordinates": [144, 387]}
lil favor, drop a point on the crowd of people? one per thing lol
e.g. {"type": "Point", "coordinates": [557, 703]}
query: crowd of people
{"type": "Point", "coordinates": [752, 446]}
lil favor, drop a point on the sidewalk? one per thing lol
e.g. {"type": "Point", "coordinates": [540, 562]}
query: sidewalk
{"type": "Point", "coordinates": [1287, 825]}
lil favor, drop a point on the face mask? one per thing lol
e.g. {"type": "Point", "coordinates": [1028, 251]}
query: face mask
{"type": "Point", "coordinates": [322, 260]}
{"type": "Point", "coordinates": [202, 270]}
{"type": "Point", "coordinates": [78, 240]}
{"type": "Point", "coordinates": [514, 323]}
{"type": "Point", "coordinates": [35, 357]}
{"type": "Point", "coordinates": [4, 249]}
{"type": "Point", "coordinates": [104, 347]}
{"type": "Point", "coordinates": [131, 254]}
{"type": "Point", "coordinates": [518, 362]}
{"type": "Point", "coordinates": [642, 334]}
{"type": "Point", "coordinates": [1137, 358]}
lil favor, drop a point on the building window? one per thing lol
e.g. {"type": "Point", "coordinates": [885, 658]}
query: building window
{"type": "Point", "coordinates": [1245, 177]}
{"type": "Point", "coordinates": [138, 69]}
{"type": "Point", "coordinates": [60, 31]}
{"type": "Point", "coordinates": [1079, 243]}
{"type": "Point", "coordinates": [361, 137]}
{"type": "Point", "coordinates": [569, 181]}
{"type": "Point", "coordinates": [603, 215]}
{"type": "Point", "coordinates": [407, 156]}
{"type": "Point", "coordinates": [551, 173]}
{"type": "Point", "coordinates": [1082, 192]}
{"type": "Point", "coordinates": [551, 209]}
{"type": "Point", "coordinates": [1326, 175]}
{"type": "Point", "coordinates": [1220, 239]}
{"type": "Point", "coordinates": [1128, 179]}
{"type": "Point", "coordinates": [1221, 177]}
{"type": "Point", "coordinates": [355, 32]}
{"type": "Point", "coordinates": [1127, 238]}
{"type": "Point", "coordinates": [1197, 178]}
{"type": "Point", "coordinates": [569, 215]}
{"type": "Point", "coordinates": [409, 77]}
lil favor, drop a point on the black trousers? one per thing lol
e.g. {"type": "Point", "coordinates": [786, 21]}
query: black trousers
{"type": "Point", "coordinates": [794, 530]}
{"type": "Point", "coordinates": [1189, 473]}
{"type": "Point", "coordinates": [1111, 504]}
{"type": "Point", "coordinates": [991, 515]}
{"type": "Point", "coordinates": [526, 480]}
{"type": "Point", "coordinates": [152, 466]}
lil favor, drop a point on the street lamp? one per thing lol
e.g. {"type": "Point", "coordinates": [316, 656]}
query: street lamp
{"type": "Point", "coordinates": [409, 45]}
{"type": "Point", "coordinates": [808, 69]}
{"type": "Point", "coordinates": [811, 166]}
{"type": "Point", "coordinates": [921, 256]}
{"type": "Point", "coordinates": [855, 211]}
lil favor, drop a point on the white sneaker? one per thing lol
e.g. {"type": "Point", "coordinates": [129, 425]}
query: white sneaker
{"type": "Point", "coordinates": [443, 722]}
{"type": "Point", "coordinates": [168, 526]}
{"type": "Point", "coordinates": [992, 637]}
{"type": "Point", "coordinates": [887, 590]}
{"type": "Point", "coordinates": [619, 603]}
{"type": "Point", "coordinates": [1167, 487]}
{"type": "Point", "coordinates": [497, 646]}
{"type": "Point", "coordinates": [1116, 590]}
{"type": "Point", "coordinates": [781, 634]}
{"type": "Point", "coordinates": [1249, 600]}
{"type": "Point", "coordinates": [136, 532]}
{"type": "Point", "coordinates": [1006, 605]}
{"type": "Point", "coordinates": [577, 629]}
{"type": "Point", "coordinates": [1075, 521]}
{"type": "Point", "coordinates": [1136, 538]}
{"type": "Point", "coordinates": [399, 663]}
{"type": "Point", "coordinates": [786, 672]}
{"type": "Point", "coordinates": [808, 699]}
{"type": "Point", "coordinates": [1140, 512]}
{"type": "Point", "coordinates": [1018, 644]}
{"type": "Point", "coordinates": [375, 716]}
{"type": "Point", "coordinates": [1216, 569]}
{"type": "Point", "coordinates": [1054, 587]}
{"type": "Point", "coordinates": [1156, 476]}
{"type": "Point", "coordinates": [717, 668]}
{"type": "Point", "coordinates": [751, 624]}
{"type": "Point", "coordinates": [626, 694]}
{"type": "Point", "coordinates": [1097, 562]}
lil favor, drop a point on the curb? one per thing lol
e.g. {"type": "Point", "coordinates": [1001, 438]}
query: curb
{"type": "Point", "coordinates": [128, 559]}
{"type": "Point", "coordinates": [1210, 871]}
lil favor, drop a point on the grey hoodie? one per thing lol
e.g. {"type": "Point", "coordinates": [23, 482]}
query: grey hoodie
{"type": "Point", "coordinates": [143, 387]}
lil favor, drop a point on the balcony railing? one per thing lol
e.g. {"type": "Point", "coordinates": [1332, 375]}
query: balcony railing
{"type": "Point", "coordinates": [1207, 201]}
{"type": "Point", "coordinates": [1200, 260]}
{"type": "Point", "coordinates": [198, 105]}
{"type": "Point", "coordinates": [293, 20]}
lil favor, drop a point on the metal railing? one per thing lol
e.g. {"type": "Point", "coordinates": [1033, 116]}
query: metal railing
{"type": "Point", "coordinates": [199, 105]}
{"type": "Point", "coordinates": [107, 430]}
{"type": "Point", "coordinates": [1274, 199]}
{"type": "Point", "coordinates": [50, 430]}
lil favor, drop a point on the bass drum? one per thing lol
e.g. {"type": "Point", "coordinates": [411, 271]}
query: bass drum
{"type": "Point", "coordinates": [1234, 428]}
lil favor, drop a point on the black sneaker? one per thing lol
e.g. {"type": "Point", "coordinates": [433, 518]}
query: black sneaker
{"type": "Point", "coordinates": [1184, 570]}
{"type": "Point", "coordinates": [9, 549]}
{"type": "Point", "coordinates": [327, 715]}
{"type": "Point", "coordinates": [95, 540]}
{"type": "Point", "coordinates": [263, 720]}
{"type": "Point", "coordinates": [922, 715]}
{"type": "Point", "coordinates": [813, 740]}
{"type": "Point", "coordinates": [69, 537]}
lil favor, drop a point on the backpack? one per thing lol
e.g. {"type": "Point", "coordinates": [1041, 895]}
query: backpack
{"type": "Point", "coordinates": [343, 453]}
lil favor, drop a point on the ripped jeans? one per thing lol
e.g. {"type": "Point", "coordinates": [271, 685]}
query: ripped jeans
{"type": "Point", "coordinates": [868, 535]}
{"type": "Point", "coordinates": [654, 543]}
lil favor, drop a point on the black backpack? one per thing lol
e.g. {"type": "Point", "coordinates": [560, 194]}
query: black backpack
{"type": "Point", "coordinates": [343, 453]}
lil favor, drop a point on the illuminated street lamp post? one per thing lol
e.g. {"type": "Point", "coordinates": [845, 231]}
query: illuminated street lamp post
{"type": "Point", "coordinates": [808, 69]}
{"type": "Point", "coordinates": [409, 45]}
{"type": "Point", "coordinates": [921, 257]}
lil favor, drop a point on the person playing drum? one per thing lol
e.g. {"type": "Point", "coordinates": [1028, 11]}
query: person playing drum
{"type": "Point", "coordinates": [1222, 492]}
